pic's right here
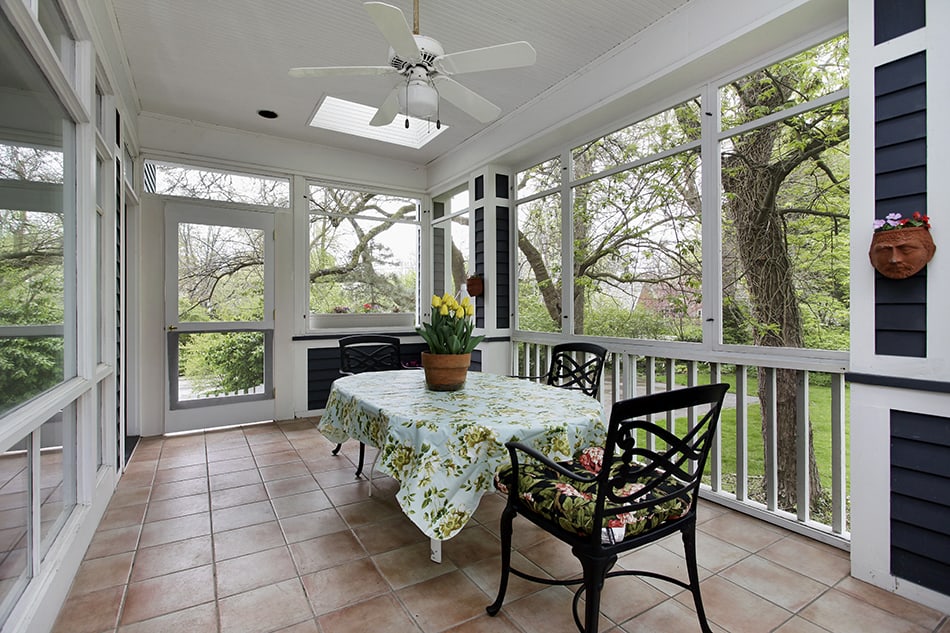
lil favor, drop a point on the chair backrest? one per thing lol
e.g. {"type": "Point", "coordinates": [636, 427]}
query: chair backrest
{"type": "Point", "coordinates": [577, 366]}
{"type": "Point", "coordinates": [657, 464]}
{"type": "Point", "coordinates": [369, 352]}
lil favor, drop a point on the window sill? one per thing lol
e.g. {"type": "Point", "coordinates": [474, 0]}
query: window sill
{"type": "Point", "coordinates": [361, 321]}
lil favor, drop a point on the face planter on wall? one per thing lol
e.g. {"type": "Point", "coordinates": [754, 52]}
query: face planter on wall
{"type": "Point", "coordinates": [903, 249]}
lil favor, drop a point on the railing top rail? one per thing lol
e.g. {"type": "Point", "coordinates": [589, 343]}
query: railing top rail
{"type": "Point", "coordinates": [778, 357]}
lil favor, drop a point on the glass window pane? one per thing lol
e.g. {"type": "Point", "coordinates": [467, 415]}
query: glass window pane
{"type": "Point", "coordinates": [207, 184]}
{"type": "Point", "coordinates": [542, 177]}
{"type": "Point", "coordinates": [220, 273]}
{"type": "Point", "coordinates": [786, 250]}
{"type": "Point", "coordinates": [99, 112]}
{"type": "Point", "coordinates": [637, 252]}
{"type": "Point", "coordinates": [54, 25]}
{"type": "Point", "coordinates": [14, 522]}
{"type": "Point", "coordinates": [799, 79]}
{"type": "Point", "coordinates": [57, 474]}
{"type": "Point", "coordinates": [31, 304]}
{"type": "Point", "coordinates": [664, 131]}
{"type": "Point", "coordinates": [220, 364]}
{"type": "Point", "coordinates": [458, 201]}
{"type": "Point", "coordinates": [128, 166]}
{"type": "Point", "coordinates": [451, 254]}
{"type": "Point", "coordinates": [361, 261]}
{"type": "Point", "coordinates": [539, 264]}
{"type": "Point", "coordinates": [37, 228]}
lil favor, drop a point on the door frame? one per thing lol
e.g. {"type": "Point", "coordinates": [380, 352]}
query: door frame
{"type": "Point", "coordinates": [226, 410]}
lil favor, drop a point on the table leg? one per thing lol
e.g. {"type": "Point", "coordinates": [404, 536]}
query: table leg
{"type": "Point", "coordinates": [435, 550]}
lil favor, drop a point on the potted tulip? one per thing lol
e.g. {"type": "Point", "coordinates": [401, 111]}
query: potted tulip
{"type": "Point", "coordinates": [450, 340]}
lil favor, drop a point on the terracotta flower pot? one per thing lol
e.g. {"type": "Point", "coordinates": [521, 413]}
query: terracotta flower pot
{"type": "Point", "coordinates": [445, 372]}
{"type": "Point", "coordinates": [475, 286]}
{"type": "Point", "coordinates": [901, 253]}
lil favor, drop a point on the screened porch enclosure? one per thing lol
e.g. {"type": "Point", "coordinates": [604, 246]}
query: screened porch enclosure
{"type": "Point", "coordinates": [697, 200]}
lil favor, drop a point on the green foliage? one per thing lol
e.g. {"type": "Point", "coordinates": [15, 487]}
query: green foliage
{"type": "Point", "coordinates": [31, 294]}
{"type": "Point", "coordinates": [222, 363]}
{"type": "Point", "coordinates": [28, 366]}
{"type": "Point", "coordinates": [532, 313]}
{"type": "Point", "coordinates": [615, 320]}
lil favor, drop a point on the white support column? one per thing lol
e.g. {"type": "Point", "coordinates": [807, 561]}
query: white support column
{"type": "Point", "coordinates": [496, 355]}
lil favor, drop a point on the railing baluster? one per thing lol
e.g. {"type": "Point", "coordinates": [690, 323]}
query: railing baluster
{"type": "Point", "coordinates": [615, 377]}
{"type": "Point", "coordinates": [838, 456]}
{"type": "Point", "coordinates": [715, 451]}
{"type": "Point", "coordinates": [670, 385]}
{"type": "Point", "coordinates": [742, 433]}
{"type": "Point", "coordinates": [770, 415]}
{"type": "Point", "coordinates": [649, 365]}
{"type": "Point", "coordinates": [802, 464]}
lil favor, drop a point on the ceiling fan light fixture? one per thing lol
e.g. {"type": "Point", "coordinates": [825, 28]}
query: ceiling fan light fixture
{"type": "Point", "coordinates": [420, 99]}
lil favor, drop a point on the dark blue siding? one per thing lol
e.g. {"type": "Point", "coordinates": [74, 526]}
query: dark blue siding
{"type": "Point", "coordinates": [900, 185]}
{"type": "Point", "coordinates": [920, 499]}
{"type": "Point", "coordinates": [893, 18]}
{"type": "Point", "coordinates": [480, 263]}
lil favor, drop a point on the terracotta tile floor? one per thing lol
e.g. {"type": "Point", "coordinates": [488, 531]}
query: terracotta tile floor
{"type": "Point", "coordinates": [258, 529]}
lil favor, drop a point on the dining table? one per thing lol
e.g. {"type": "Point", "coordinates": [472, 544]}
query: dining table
{"type": "Point", "coordinates": [444, 447]}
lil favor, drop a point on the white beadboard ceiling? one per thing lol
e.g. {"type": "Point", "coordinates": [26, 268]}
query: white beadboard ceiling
{"type": "Point", "coordinates": [220, 61]}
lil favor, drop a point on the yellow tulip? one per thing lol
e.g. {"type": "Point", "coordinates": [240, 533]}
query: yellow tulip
{"type": "Point", "coordinates": [447, 298]}
{"type": "Point", "coordinates": [436, 301]}
{"type": "Point", "coordinates": [465, 302]}
{"type": "Point", "coordinates": [470, 310]}
{"type": "Point", "coordinates": [444, 310]}
{"type": "Point", "coordinates": [460, 312]}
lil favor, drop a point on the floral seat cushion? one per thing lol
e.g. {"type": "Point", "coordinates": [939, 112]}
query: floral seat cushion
{"type": "Point", "coordinates": [570, 503]}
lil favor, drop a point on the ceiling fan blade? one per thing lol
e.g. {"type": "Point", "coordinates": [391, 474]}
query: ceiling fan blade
{"type": "Point", "coordinates": [336, 71]}
{"type": "Point", "coordinates": [464, 99]}
{"type": "Point", "coordinates": [513, 55]}
{"type": "Point", "coordinates": [388, 109]}
{"type": "Point", "coordinates": [392, 24]}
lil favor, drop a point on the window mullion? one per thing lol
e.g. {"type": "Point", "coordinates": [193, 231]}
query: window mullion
{"type": "Point", "coordinates": [711, 218]}
{"type": "Point", "coordinates": [567, 244]}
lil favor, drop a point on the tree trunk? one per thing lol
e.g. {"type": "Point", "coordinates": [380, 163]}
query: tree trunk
{"type": "Point", "coordinates": [752, 184]}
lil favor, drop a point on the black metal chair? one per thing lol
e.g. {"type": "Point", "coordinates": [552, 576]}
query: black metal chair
{"type": "Point", "coordinates": [367, 352]}
{"type": "Point", "coordinates": [567, 372]}
{"type": "Point", "coordinates": [611, 500]}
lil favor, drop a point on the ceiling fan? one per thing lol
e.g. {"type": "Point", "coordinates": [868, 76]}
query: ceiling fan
{"type": "Point", "coordinates": [424, 69]}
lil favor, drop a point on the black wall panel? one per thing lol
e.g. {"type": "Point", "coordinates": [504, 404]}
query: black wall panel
{"type": "Point", "coordinates": [502, 282]}
{"type": "Point", "coordinates": [501, 186]}
{"type": "Point", "coordinates": [323, 367]}
{"type": "Point", "coordinates": [439, 243]}
{"type": "Point", "coordinates": [897, 17]}
{"type": "Point", "coordinates": [480, 263]}
{"type": "Point", "coordinates": [900, 186]}
{"type": "Point", "coordinates": [920, 499]}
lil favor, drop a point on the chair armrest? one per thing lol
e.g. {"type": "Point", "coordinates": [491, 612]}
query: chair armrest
{"type": "Point", "coordinates": [514, 447]}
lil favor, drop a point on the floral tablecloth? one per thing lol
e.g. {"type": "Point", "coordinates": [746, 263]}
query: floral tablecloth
{"type": "Point", "coordinates": [445, 447]}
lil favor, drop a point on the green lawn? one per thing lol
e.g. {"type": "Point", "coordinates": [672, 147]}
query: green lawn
{"type": "Point", "coordinates": [820, 415]}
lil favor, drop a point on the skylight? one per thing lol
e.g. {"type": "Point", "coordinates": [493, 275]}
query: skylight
{"type": "Point", "coordinates": [353, 118]}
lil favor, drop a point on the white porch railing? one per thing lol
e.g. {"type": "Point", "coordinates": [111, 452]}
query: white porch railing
{"type": "Point", "coordinates": [739, 475]}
